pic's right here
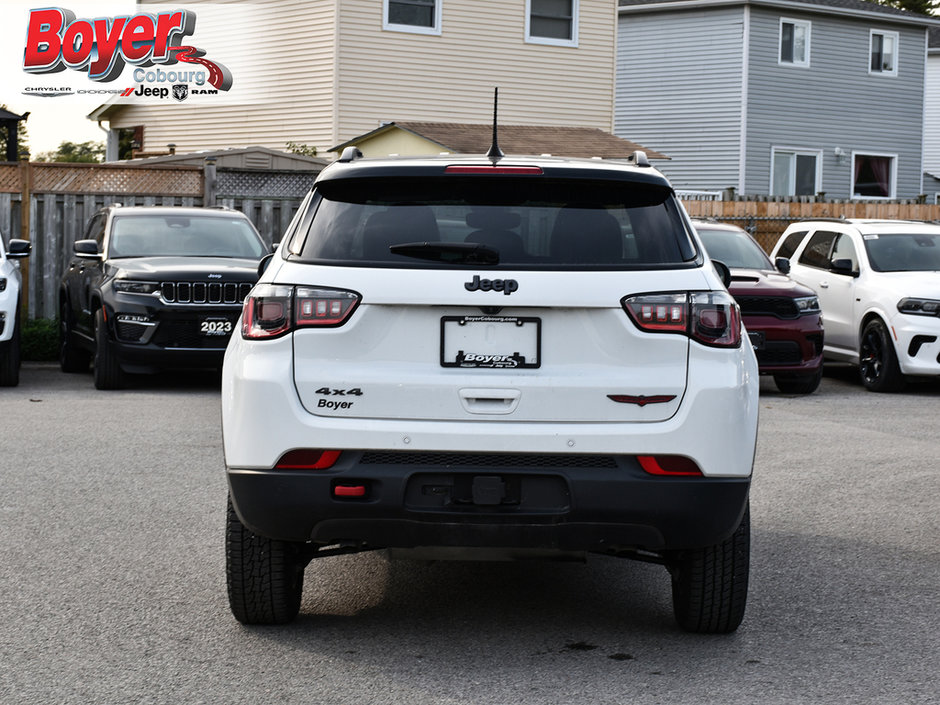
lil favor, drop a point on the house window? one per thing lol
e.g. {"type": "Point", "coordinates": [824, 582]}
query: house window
{"type": "Point", "coordinates": [874, 175]}
{"type": "Point", "coordinates": [552, 22]}
{"type": "Point", "coordinates": [419, 16]}
{"type": "Point", "coordinates": [794, 42]}
{"type": "Point", "coordinates": [795, 173]}
{"type": "Point", "coordinates": [884, 53]}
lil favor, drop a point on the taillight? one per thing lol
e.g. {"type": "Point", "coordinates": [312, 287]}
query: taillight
{"type": "Point", "coordinates": [308, 459]}
{"type": "Point", "coordinates": [668, 465]}
{"type": "Point", "coordinates": [271, 310]}
{"type": "Point", "coordinates": [710, 317]}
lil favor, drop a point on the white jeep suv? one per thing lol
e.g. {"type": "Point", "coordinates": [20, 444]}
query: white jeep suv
{"type": "Point", "coordinates": [490, 357]}
{"type": "Point", "coordinates": [878, 283]}
{"type": "Point", "coordinates": [11, 284]}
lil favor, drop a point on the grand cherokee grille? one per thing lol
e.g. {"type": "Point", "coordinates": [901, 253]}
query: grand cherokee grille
{"type": "Point", "coordinates": [204, 292]}
{"type": "Point", "coordinates": [778, 306]}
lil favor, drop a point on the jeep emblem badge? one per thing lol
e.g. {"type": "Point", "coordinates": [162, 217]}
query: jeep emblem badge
{"type": "Point", "coordinates": [507, 286]}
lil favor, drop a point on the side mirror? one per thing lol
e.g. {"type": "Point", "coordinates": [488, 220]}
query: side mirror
{"type": "Point", "coordinates": [86, 248]}
{"type": "Point", "coordinates": [723, 272]}
{"type": "Point", "coordinates": [782, 264]}
{"type": "Point", "coordinates": [265, 261]}
{"type": "Point", "coordinates": [18, 249]}
{"type": "Point", "coordinates": [843, 266]}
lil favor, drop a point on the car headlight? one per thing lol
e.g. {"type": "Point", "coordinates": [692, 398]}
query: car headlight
{"type": "Point", "coordinates": [129, 286]}
{"type": "Point", "coordinates": [919, 307]}
{"type": "Point", "coordinates": [807, 304]}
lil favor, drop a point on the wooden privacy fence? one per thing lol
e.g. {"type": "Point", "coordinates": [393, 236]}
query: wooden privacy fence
{"type": "Point", "coordinates": [60, 199]}
{"type": "Point", "coordinates": [767, 218]}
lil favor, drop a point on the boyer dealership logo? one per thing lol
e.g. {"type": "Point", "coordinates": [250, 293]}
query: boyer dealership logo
{"type": "Point", "coordinates": [102, 48]}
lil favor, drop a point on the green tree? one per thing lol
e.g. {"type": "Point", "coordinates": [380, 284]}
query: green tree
{"type": "Point", "coordinates": [88, 152]}
{"type": "Point", "coordinates": [921, 7]}
{"type": "Point", "coordinates": [300, 148]}
{"type": "Point", "coordinates": [22, 139]}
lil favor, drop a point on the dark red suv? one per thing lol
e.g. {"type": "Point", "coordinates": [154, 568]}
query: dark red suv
{"type": "Point", "coordinates": [782, 317]}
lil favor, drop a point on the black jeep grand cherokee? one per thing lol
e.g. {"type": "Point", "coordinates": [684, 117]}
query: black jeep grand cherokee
{"type": "Point", "coordinates": [158, 287]}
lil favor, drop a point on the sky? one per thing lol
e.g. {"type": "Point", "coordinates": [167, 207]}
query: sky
{"type": "Point", "coordinates": [51, 120]}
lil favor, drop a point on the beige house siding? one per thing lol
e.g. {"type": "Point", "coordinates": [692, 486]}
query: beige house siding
{"type": "Point", "coordinates": [391, 75]}
{"type": "Point", "coordinates": [319, 73]}
{"type": "Point", "coordinates": [282, 62]}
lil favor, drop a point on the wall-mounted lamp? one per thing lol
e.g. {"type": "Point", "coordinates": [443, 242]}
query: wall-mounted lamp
{"type": "Point", "coordinates": [840, 155]}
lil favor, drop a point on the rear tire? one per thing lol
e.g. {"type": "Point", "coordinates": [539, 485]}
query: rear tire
{"type": "Point", "coordinates": [806, 384]}
{"type": "Point", "coordinates": [877, 362]}
{"type": "Point", "coordinates": [10, 357]}
{"type": "Point", "coordinates": [709, 585]}
{"type": "Point", "coordinates": [71, 357]}
{"type": "Point", "coordinates": [265, 576]}
{"type": "Point", "coordinates": [108, 372]}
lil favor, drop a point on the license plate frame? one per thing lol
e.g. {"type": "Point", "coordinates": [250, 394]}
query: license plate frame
{"type": "Point", "coordinates": [491, 342]}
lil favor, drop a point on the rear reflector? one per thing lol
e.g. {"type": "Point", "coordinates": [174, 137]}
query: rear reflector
{"type": "Point", "coordinates": [349, 491]}
{"type": "Point", "coordinates": [668, 465]}
{"type": "Point", "coordinates": [308, 459]}
{"type": "Point", "coordinates": [530, 170]}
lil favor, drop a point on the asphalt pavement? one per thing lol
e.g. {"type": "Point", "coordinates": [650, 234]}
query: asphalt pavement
{"type": "Point", "coordinates": [112, 584]}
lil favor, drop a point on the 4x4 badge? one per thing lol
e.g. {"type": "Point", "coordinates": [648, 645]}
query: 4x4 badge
{"type": "Point", "coordinates": [507, 286]}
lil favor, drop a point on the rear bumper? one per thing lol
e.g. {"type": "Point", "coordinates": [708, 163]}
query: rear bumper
{"type": "Point", "coordinates": [413, 500]}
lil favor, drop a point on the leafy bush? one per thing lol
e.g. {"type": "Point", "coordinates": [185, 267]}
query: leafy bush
{"type": "Point", "coordinates": [40, 339]}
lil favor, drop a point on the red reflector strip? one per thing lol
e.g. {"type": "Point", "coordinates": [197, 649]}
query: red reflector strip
{"type": "Point", "coordinates": [531, 170]}
{"type": "Point", "coordinates": [668, 465]}
{"type": "Point", "coordinates": [308, 459]}
{"type": "Point", "coordinates": [349, 491]}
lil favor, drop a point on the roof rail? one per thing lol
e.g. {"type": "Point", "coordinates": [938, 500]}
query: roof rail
{"type": "Point", "coordinates": [350, 154]}
{"type": "Point", "coordinates": [639, 158]}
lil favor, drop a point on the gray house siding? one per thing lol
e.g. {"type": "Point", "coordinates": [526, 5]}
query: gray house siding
{"type": "Point", "coordinates": [932, 113]}
{"type": "Point", "coordinates": [834, 102]}
{"type": "Point", "coordinates": [679, 90]}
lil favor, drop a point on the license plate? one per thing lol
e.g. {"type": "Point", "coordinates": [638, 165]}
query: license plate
{"type": "Point", "coordinates": [215, 327]}
{"type": "Point", "coordinates": [495, 342]}
{"type": "Point", "coordinates": [757, 340]}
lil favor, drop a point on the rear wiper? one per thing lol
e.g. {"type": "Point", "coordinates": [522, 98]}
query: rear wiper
{"type": "Point", "coordinates": [450, 252]}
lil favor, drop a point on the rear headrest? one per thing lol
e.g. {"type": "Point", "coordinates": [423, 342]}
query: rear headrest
{"type": "Point", "coordinates": [493, 219]}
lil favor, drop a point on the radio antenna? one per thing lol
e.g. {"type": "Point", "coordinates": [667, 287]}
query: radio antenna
{"type": "Point", "coordinates": [495, 152]}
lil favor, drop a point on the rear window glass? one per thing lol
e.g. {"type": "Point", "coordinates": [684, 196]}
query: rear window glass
{"type": "Point", "coordinates": [531, 222]}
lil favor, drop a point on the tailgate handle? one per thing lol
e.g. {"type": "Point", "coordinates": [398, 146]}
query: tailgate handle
{"type": "Point", "coordinates": [490, 401]}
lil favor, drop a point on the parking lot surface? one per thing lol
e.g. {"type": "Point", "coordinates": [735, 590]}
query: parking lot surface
{"type": "Point", "coordinates": [112, 585]}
